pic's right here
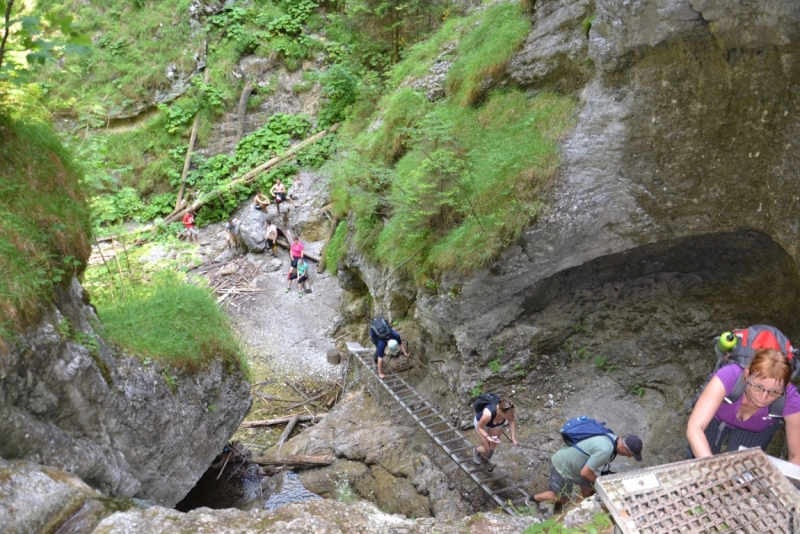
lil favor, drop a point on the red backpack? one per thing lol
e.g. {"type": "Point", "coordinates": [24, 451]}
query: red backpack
{"type": "Point", "coordinates": [748, 341]}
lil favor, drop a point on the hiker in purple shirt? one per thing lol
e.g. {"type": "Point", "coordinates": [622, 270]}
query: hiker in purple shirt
{"type": "Point", "coordinates": [747, 420]}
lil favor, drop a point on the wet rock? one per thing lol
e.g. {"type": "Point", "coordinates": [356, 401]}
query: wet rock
{"type": "Point", "coordinates": [384, 461]}
{"type": "Point", "coordinates": [291, 490]}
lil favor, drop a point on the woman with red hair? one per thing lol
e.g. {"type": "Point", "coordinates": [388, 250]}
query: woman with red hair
{"type": "Point", "coordinates": [751, 419]}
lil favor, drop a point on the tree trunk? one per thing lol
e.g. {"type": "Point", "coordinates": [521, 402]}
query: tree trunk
{"type": "Point", "coordinates": [242, 111]}
{"type": "Point", "coordinates": [188, 161]}
{"type": "Point", "coordinates": [250, 176]}
{"type": "Point", "coordinates": [281, 421]}
{"type": "Point", "coordinates": [299, 460]}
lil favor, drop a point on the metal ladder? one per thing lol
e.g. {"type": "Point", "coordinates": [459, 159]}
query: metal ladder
{"type": "Point", "coordinates": [455, 444]}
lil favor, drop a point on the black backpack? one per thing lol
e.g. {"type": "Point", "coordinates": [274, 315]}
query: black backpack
{"type": "Point", "coordinates": [381, 328]}
{"type": "Point", "coordinates": [484, 400]}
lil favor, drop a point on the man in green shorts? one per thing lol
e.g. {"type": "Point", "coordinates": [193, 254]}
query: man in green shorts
{"type": "Point", "coordinates": [576, 465]}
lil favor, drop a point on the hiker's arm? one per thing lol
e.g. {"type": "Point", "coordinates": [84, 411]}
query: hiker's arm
{"type": "Point", "coordinates": [587, 473]}
{"type": "Point", "coordinates": [793, 437]}
{"type": "Point", "coordinates": [512, 426]}
{"type": "Point", "coordinates": [404, 349]}
{"type": "Point", "coordinates": [707, 405]}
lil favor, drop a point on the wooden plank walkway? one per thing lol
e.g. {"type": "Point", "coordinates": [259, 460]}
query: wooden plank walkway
{"type": "Point", "coordinates": [454, 443]}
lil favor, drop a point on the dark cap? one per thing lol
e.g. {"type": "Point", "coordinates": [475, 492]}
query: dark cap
{"type": "Point", "coordinates": [634, 445]}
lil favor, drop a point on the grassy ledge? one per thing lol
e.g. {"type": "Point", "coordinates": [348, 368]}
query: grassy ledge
{"type": "Point", "coordinates": [449, 185]}
{"type": "Point", "coordinates": [45, 221]}
{"type": "Point", "coordinates": [175, 323]}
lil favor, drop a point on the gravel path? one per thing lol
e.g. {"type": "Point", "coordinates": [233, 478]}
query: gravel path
{"type": "Point", "coordinates": [286, 335]}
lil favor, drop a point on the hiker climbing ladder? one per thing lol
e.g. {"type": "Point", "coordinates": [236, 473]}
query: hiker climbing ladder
{"type": "Point", "coordinates": [455, 444]}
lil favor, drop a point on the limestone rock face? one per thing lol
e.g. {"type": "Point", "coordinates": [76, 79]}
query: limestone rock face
{"type": "Point", "coordinates": [691, 136]}
{"type": "Point", "coordinates": [672, 220]}
{"type": "Point", "coordinates": [554, 55]}
{"type": "Point", "coordinates": [111, 420]}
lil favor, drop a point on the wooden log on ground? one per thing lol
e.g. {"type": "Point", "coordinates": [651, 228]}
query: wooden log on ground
{"type": "Point", "coordinates": [281, 421]}
{"type": "Point", "coordinates": [287, 431]}
{"type": "Point", "coordinates": [311, 400]}
{"type": "Point", "coordinates": [299, 460]}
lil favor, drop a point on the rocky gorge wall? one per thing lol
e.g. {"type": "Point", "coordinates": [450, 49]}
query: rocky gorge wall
{"type": "Point", "coordinates": [108, 418]}
{"type": "Point", "coordinates": [672, 219]}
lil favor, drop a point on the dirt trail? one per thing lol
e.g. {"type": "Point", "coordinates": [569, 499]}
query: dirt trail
{"type": "Point", "coordinates": [284, 335]}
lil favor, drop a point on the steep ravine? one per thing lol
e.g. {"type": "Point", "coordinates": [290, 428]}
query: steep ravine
{"type": "Point", "coordinates": [672, 220]}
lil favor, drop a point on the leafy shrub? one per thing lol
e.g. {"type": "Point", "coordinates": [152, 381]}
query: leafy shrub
{"type": "Point", "coordinates": [484, 51]}
{"type": "Point", "coordinates": [340, 89]}
{"type": "Point", "coordinates": [336, 248]}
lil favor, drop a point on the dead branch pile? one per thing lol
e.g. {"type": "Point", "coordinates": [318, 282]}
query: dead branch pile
{"type": "Point", "coordinates": [233, 281]}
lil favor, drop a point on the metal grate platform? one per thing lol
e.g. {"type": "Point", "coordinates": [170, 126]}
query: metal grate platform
{"type": "Point", "coordinates": [739, 492]}
{"type": "Point", "coordinates": [455, 444]}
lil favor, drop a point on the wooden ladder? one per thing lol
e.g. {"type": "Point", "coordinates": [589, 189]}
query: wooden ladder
{"type": "Point", "coordinates": [455, 444]}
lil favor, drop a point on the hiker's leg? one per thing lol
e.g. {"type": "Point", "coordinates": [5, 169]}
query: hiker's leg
{"type": "Point", "coordinates": [291, 201]}
{"type": "Point", "coordinates": [483, 448]}
{"type": "Point", "coordinates": [496, 433]}
{"type": "Point", "coordinates": [558, 491]}
{"type": "Point", "coordinates": [380, 367]}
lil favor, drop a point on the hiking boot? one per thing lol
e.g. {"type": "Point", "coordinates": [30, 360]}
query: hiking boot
{"type": "Point", "coordinates": [488, 465]}
{"type": "Point", "coordinates": [288, 289]}
{"type": "Point", "coordinates": [477, 459]}
{"type": "Point", "coordinates": [300, 293]}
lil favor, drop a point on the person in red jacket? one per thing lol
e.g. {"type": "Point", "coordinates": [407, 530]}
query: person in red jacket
{"type": "Point", "coordinates": [188, 223]}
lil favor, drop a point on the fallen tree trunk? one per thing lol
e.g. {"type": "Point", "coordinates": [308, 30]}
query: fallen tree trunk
{"type": "Point", "coordinates": [306, 255]}
{"type": "Point", "coordinates": [287, 431]}
{"type": "Point", "coordinates": [250, 176]}
{"type": "Point", "coordinates": [282, 421]}
{"type": "Point", "coordinates": [300, 460]}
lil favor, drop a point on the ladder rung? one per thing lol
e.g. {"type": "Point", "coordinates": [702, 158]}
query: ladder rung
{"type": "Point", "coordinates": [505, 490]}
{"type": "Point", "coordinates": [494, 479]}
{"type": "Point", "coordinates": [454, 439]}
{"type": "Point", "coordinates": [397, 381]}
{"type": "Point", "coordinates": [422, 409]}
{"type": "Point", "coordinates": [407, 396]}
{"type": "Point", "coordinates": [523, 500]}
{"type": "Point", "coordinates": [449, 430]}
{"type": "Point", "coordinates": [431, 415]}
{"type": "Point", "coordinates": [460, 450]}
{"type": "Point", "coordinates": [433, 425]}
